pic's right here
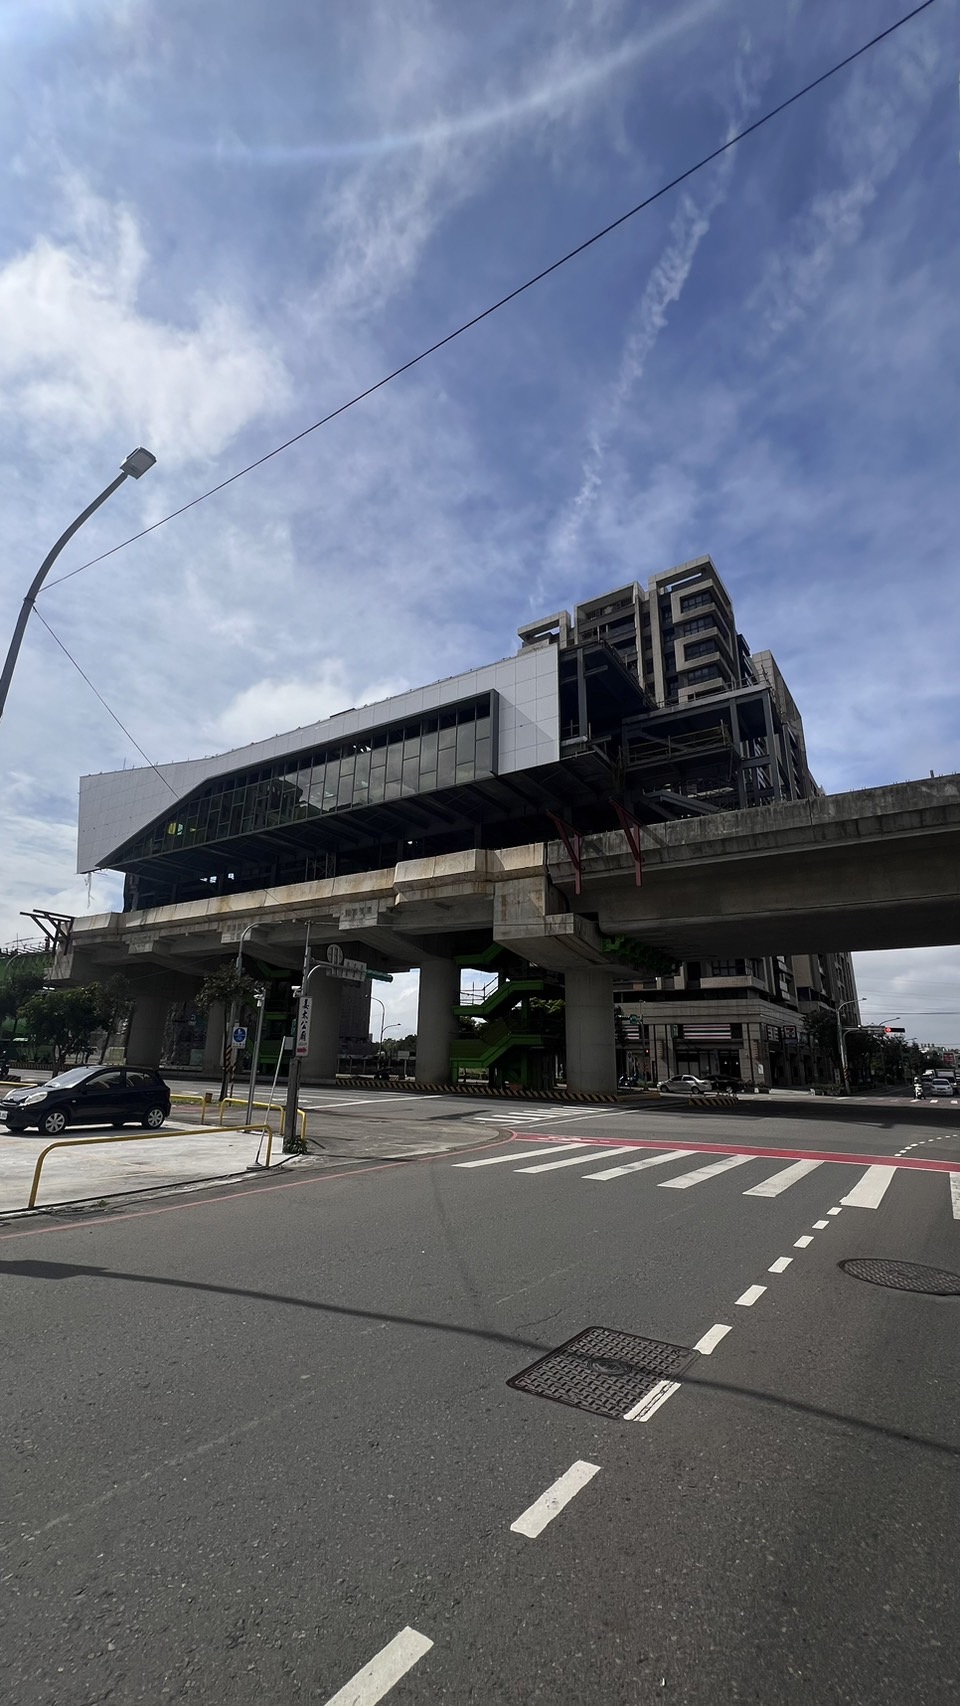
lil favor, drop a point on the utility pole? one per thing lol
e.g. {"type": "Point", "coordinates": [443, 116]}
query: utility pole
{"type": "Point", "coordinates": [842, 1040]}
{"type": "Point", "coordinates": [293, 1077]}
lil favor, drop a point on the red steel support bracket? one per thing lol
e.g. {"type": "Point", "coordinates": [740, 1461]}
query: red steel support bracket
{"type": "Point", "coordinates": [631, 827]}
{"type": "Point", "coordinates": [571, 841]}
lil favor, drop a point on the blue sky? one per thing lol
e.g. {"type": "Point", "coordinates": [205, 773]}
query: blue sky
{"type": "Point", "coordinates": [222, 220]}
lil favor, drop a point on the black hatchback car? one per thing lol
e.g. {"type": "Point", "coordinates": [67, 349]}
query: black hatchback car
{"type": "Point", "coordinates": [89, 1095]}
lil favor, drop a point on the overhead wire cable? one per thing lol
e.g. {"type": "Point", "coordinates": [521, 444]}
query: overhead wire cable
{"type": "Point", "coordinates": [110, 712]}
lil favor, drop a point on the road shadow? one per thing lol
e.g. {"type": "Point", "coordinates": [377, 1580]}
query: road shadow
{"type": "Point", "coordinates": [58, 1271]}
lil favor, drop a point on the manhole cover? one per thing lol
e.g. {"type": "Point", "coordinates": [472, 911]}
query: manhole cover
{"type": "Point", "coordinates": [903, 1276]}
{"type": "Point", "coordinates": [603, 1371]}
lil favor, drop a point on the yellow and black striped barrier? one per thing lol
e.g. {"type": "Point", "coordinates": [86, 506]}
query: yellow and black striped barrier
{"type": "Point", "coordinates": [414, 1086]}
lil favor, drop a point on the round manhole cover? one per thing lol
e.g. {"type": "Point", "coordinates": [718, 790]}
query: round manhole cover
{"type": "Point", "coordinates": [903, 1276]}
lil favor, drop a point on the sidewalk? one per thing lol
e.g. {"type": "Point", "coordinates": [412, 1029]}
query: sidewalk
{"type": "Point", "coordinates": [81, 1171]}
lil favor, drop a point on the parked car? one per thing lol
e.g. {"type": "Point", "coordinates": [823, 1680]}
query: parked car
{"type": "Point", "coordinates": [685, 1085]}
{"type": "Point", "coordinates": [937, 1087]}
{"type": "Point", "coordinates": [89, 1095]}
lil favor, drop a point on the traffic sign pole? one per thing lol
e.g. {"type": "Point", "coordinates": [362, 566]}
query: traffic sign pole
{"type": "Point", "coordinates": [255, 1059]}
{"type": "Point", "coordinates": [293, 1077]}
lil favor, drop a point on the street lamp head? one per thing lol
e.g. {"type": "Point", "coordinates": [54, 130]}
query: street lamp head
{"type": "Point", "coordinates": [138, 462]}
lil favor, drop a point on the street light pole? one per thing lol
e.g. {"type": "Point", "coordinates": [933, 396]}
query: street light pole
{"type": "Point", "coordinates": [842, 1039]}
{"type": "Point", "coordinates": [135, 465]}
{"type": "Point", "coordinates": [291, 1105]}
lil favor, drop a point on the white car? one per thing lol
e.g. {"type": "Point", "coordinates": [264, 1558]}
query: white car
{"type": "Point", "coordinates": [686, 1085]}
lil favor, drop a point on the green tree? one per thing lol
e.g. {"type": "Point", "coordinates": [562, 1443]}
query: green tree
{"type": "Point", "coordinates": [119, 1005]}
{"type": "Point", "coordinates": [234, 990]}
{"type": "Point", "coordinates": [864, 1056]}
{"type": "Point", "coordinates": [64, 1019]}
{"type": "Point", "coordinates": [821, 1028]}
{"type": "Point", "coordinates": [21, 975]}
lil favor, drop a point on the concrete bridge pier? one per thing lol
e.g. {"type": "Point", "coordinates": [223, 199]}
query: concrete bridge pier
{"type": "Point", "coordinates": [213, 1041]}
{"type": "Point", "coordinates": [436, 1019]}
{"type": "Point", "coordinates": [591, 1038]}
{"type": "Point", "coordinates": [320, 1061]}
{"type": "Point", "coordinates": [145, 1035]}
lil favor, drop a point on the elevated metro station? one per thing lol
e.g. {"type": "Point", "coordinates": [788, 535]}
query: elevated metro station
{"type": "Point", "coordinates": [537, 817]}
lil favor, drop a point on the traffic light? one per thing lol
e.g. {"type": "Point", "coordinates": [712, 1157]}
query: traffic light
{"type": "Point", "coordinates": [894, 1030]}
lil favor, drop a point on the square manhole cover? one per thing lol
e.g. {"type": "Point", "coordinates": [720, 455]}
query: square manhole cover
{"type": "Point", "coordinates": [603, 1371]}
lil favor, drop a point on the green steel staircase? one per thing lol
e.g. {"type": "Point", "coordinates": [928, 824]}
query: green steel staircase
{"type": "Point", "coordinates": [509, 1042]}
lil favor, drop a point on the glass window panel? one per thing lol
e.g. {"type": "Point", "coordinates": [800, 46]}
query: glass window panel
{"type": "Point", "coordinates": [345, 790]}
{"type": "Point", "coordinates": [446, 768]}
{"type": "Point", "coordinates": [331, 782]}
{"type": "Point", "coordinates": [362, 776]}
{"type": "Point", "coordinates": [394, 763]}
{"type": "Point", "coordinates": [428, 750]}
{"type": "Point", "coordinates": [483, 756]}
{"type": "Point", "coordinates": [375, 793]}
{"type": "Point", "coordinates": [411, 775]}
{"type": "Point", "coordinates": [465, 772]}
{"type": "Point", "coordinates": [447, 737]}
{"type": "Point", "coordinates": [466, 743]}
{"type": "Point", "coordinates": [391, 790]}
{"type": "Point", "coordinates": [428, 781]}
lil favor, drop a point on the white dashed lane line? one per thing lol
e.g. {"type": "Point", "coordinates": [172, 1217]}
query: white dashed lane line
{"type": "Point", "coordinates": [649, 1405]}
{"type": "Point", "coordinates": [750, 1296]}
{"type": "Point", "coordinates": [535, 1518]}
{"type": "Point", "coordinates": [780, 1266]}
{"type": "Point", "coordinates": [711, 1340]}
{"type": "Point", "coordinates": [801, 1243]}
{"type": "Point", "coordinates": [384, 1671]}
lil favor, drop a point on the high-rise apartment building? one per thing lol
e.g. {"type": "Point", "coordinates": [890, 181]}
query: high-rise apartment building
{"type": "Point", "coordinates": [723, 732]}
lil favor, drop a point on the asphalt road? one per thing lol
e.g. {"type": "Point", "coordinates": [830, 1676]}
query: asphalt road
{"type": "Point", "coordinates": [258, 1442]}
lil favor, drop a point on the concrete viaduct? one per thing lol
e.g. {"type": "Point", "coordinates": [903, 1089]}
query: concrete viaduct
{"type": "Point", "coordinates": [879, 868]}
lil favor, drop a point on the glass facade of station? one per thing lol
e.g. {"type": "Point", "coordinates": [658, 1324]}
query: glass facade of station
{"type": "Point", "coordinates": [441, 749]}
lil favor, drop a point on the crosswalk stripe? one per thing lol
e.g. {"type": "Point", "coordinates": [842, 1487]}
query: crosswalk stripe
{"type": "Point", "coordinates": [955, 1194]}
{"type": "Point", "coordinates": [782, 1181]}
{"type": "Point", "coordinates": [575, 1161]}
{"type": "Point", "coordinates": [699, 1174]}
{"type": "Point", "coordinates": [522, 1155]}
{"type": "Point", "coordinates": [869, 1190]}
{"type": "Point", "coordinates": [638, 1166]}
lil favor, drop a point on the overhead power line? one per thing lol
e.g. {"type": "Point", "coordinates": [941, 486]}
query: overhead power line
{"type": "Point", "coordinates": [512, 295]}
{"type": "Point", "coordinates": [110, 713]}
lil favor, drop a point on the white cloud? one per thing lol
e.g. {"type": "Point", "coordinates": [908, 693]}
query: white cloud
{"type": "Point", "coordinates": [592, 504]}
{"type": "Point", "coordinates": [39, 855]}
{"type": "Point", "coordinates": [917, 987]}
{"type": "Point", "coordinates": [871, 126]}
{"type": "Point", "coordinates": [79, 356]}
{"type": "Point", "coordinates": [270, 707]}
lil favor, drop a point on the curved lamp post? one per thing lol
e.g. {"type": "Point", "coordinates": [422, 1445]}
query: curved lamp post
{"type": "Point", "coordinates": [133, 467]}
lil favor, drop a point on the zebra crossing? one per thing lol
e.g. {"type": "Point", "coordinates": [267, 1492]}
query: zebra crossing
{"type": "Point", "coordinates": [866, 1187]}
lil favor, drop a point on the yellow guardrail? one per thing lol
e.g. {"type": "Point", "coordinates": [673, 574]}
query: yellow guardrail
{"type": "Point", "coordinates": [270, 1107]}
{"type": "Point", "coordinates": [204, 1097]}
{"type": "Point", "coordinates": [129, 1137]}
